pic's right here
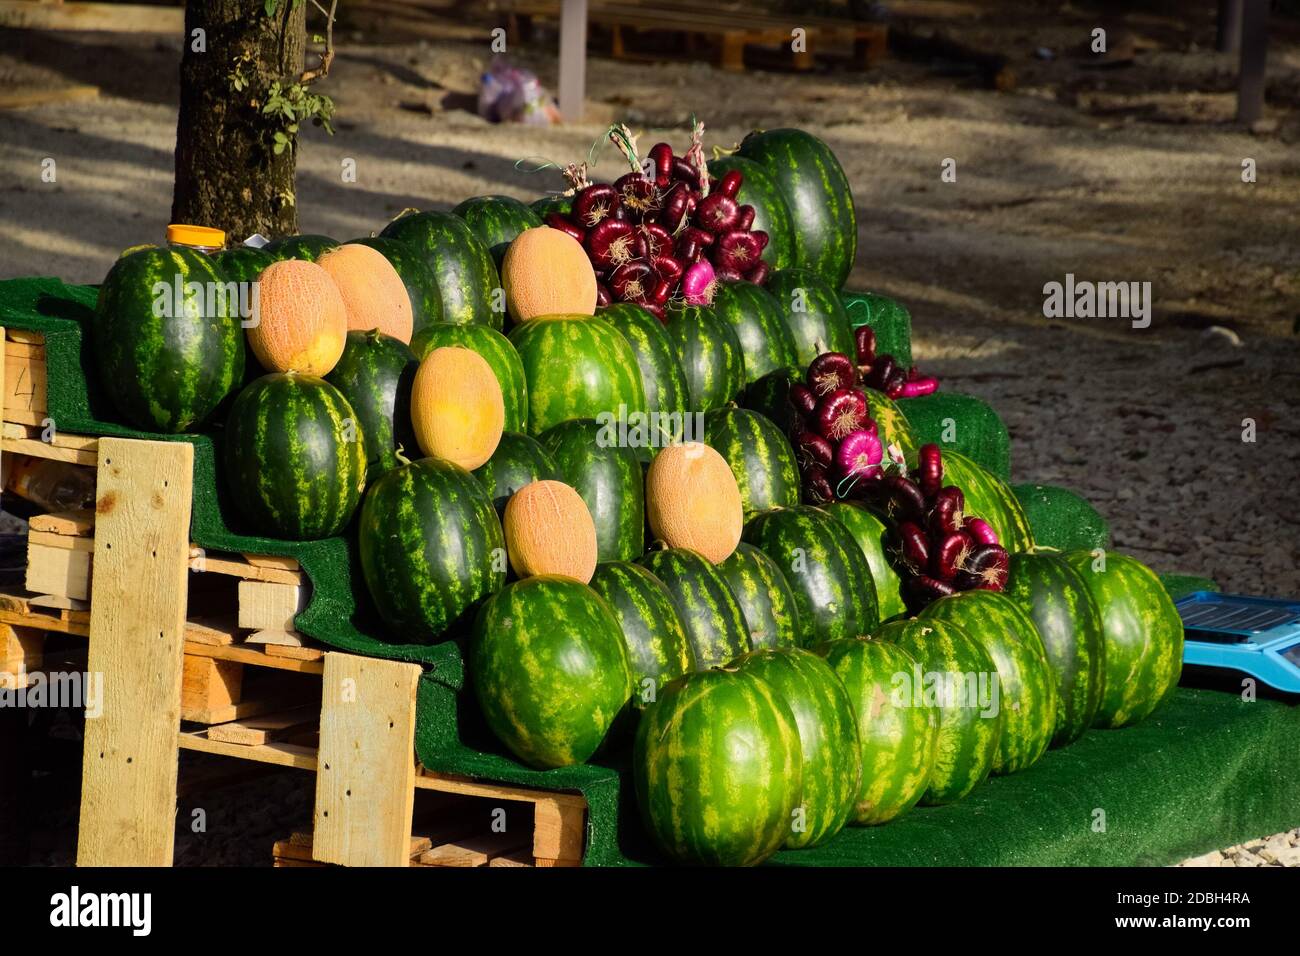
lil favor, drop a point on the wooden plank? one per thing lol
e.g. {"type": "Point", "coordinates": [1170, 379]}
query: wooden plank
{"type": "Point", "coordinates": [21, 652]}
{"type": "Point", "coordinates": [142, 517]}
{"type": "Point", "coordinates": [24, 391]}
{"type": "Point", "coordinates": [237, 566]}
{"type": "Point", "coordinates": [59, 602]}
{"type": "Point", "coordinates": [68, 542]}
{"type": "Point", "coordinates": [280, 754]}
{"type": "Point", "coordinates": [559, 831]}
{"type": "Point", "coordinates": [210, 632]}
{"type": "Point", "coordinates": [270, 607]}
{"type": "Point", "coordinates": [518, 858]}
{"type": "Point", "coordinates": [295, 653]}
{"type": "Point", "coordinates": [270, 639]}
{"type": "Point", "coordinates": [43, 96]}
{"type": "Point", "coordinates": [264, 730]}
{"type": "Point", "coordinates": [450, 783]}
{"type": "Point", "coordinates": [280, 562]}
{"type": "Point", "coordinates": [365, 782]}
{"type": "Point", "coordinates": [116, 17]}
{"type": "Point", "coordinates": [475, 851]}
{"type": "Point", "coordinates": [241, 710]}
{"type": "Point", "coordinates": [26, 336]}
{"type": "Point", "coordinates": [39, 449]}
{"type": "Point", "coordinates": [248, 655]}
{"type": "Point", "coordinates": [209, 685]}
{"type": "Point", "coordinates": [58, 571]}
{"type": "Point", "coordinates": [77, 523]}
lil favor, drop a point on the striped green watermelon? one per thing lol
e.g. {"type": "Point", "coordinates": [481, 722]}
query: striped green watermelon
{"type": "Point", "coordinates": [710, 355]}
{"type": "Point", "coordinates": [755, 316]}
{"type": "Point", "coordinates": [496, 350]}
{"type": "Point", "coordinates": [718, 769]}
{"type": "Point", "coordinates": [550, 670]}
{"type": "Point", "coordinates": [666, 391]}
{"type": "Point", "coordinates": [608, 477]}
{"type": "Point", "coordinates": [375, 374]}
{"type": "Point", "coordinates": [813, 313]}
{"type": "Point", "coordinates": [497, 220]}
{"type": "Point", "coordinates": [295, 457]}
{"type": "Point", "coordinates": [242, 263]}
{"type": "Point", "coordinates": [990, 498]}
{"type": "Point", "coordinates": [577, 366]}
{"type": "Point", "coordinates": [898, 732]}
{"type": "Point", "coordinates": [1026, 684]}
{"type": "Point", "coordinates": [825, 568]}
{"type": "Point", "coordinates": [549, 204]}
{"type": "Point", "coordinates": [1057, 599]}
{"type": "Point", "coordinates": [828, 739]}
{"type": "Point", "coordinates": [770, 397]}
{"type": "Point", "coordinates": [467, 277]}
{"type": "Point", "coordinates": [715, 624]}
{"type": "Point", "coordinates": [168, 339]}
{"type": "Point", "coordinates": [657, 645]}
{"type": "Point", "coordinates": [771, 214]}
{"type": "Point", "coordinates": [871, 533]}
{"type": "Point", "coordinates": [892, 424]}
{"type": "Point", "coordinates": [420, 281]}
{"type": "Point", "coordinates": [817, 193]}
{"type": "Point", "coordinates": [1143, 632]}
{"type": "Point", "coordinates": [960, 678]}
{"type": "Point", "coordinates": [518, 460]}
{"type": "Point", "coordinates": [431, 548]}
{"type": "Point", "coordinates": [764, 596]}
{"type": "Point", "coordinates": [759, 455]}
{"type": "Point", "coordinates": [310, 247]}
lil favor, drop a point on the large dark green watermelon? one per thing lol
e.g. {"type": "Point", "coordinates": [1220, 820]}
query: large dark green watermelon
{"type": "Point", "coordinates": [764, 596]}
{"type": "Point", "coordinates": [771, 213]}
{"type": "Point", "coordinates": [608, 477]}
{"type": "Point", "coordinates": [715, 624]}
{"type": "Point", "coordinates": [467, 277]}
{"type": "Point", "coordinates": [548, 204]}
{"type": "Point", "coordinates": [710, 356]}
{"type": "Point", "coordinates": [759, 455]}
{"type": "Point", "coordinates": [825, 568]}
{"type": "Point", "coordinates": [667, 394]}
{"type": "Point", "coordinates": [497, 220]}
{"type": "Point", "coordinates": [243, 263]}
{"type": "Point", "coordinates": [309, 247]}
{"type": "Point", "coordinates": [892, 425]}
{"type": "Point", "coordinates": [518, 460]}
{"type": "Point", "coordinates": [755, 316]}
{"type": "Point", "coordinates": [550, 669]}
{"type": "Point", "coordinates": [813, 313]}
{"type": "Point", "coordinates": [1026, 684]}
{"type": "Point", "coordinates": [421, 284]}
{"type": "Point", "coordinates": [828, 739]}
{"type": "Point", "coordinates": [1143, 632]}
{"type": "Point", "coordinates": [989, 497]}
{"type": "Point", "coordinates": [896, 733]}
{"type": "Point", "coordinates": [168, 338]}
{"type": "Point", "coordinates": [431, 548]}
{"type": "Point", "coordinates": [871, 533]}
{"type": "Point", "coordinates": [295, 457]}
{"type": "Point", "coordinates": [496, 350]}
{"type": "Point", "coordinates": [375, 373]}
{"type": "Point", "coordinates": [817, 193]}
{"type": "Point", "coordinates": [770, 397]}
{"type": "Point", "coordinates": [1058, 601]}
{"type": "Point", "coordinates": [657, 645]}
{"type": "Point", "coordinates": [718, 769]}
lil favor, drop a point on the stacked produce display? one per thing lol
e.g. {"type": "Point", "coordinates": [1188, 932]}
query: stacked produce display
{"type": "Point", "coordinates": [626, 446]}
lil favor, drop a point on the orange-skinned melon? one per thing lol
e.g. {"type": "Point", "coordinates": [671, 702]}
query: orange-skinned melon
{"type": "Point", "coordinates": [693, 501]}
{"type": "Point", "coordinates": [302, 322]}
{"type": "Point", "coordinates": [457, 410]}
{"type": "Point", "coordinates": [546, 272]}
{"type": "Point", "coordinates": [372, 291]}
{"type": "Point", "coordinates": [549, 530]}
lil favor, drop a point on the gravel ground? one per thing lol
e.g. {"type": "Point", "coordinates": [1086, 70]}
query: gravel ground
{"type": "Point", "coordinates": [1127, 174]}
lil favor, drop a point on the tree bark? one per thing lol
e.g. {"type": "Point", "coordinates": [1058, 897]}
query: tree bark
{"type": "Point", "coordinates": [227, 174]}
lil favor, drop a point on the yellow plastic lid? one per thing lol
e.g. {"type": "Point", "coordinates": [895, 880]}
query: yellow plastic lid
{"type": "Point", "coordinates": [204, 236]}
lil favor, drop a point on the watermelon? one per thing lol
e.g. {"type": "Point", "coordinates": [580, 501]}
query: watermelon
{"type": "Point", "coordinates": [870, 532]}
{"type": "Point", "coordinates": [813, 313]}
{"type": "Point", "coordinates": [817, 193]}
{"type": "Point", "coordinates": [657, 645]}
{"type": "Point", "coordinates": [764, 596]}
{"type": "Point", "coordinates": [1144, 635]}
{"type": "Point", "coordinates": [608, 477]}
{"type": "Point", "coordinates": [496, 350]}
{"type": "Point", "coordinates": [295, 457]}
{"type": "Point", "coordinates": [990, 498]}
{"type": "Point", "coordinates": [375, 374]}
{"type": "Point", "coordinates": [771, 214]}
{"type": "Point", "coordinates": [828, 739]}
{"type": "Point", "coordinates": [431, 548]}
{"type": "Point", "coordinates": [577, 366]}
{"type": "Point", "coordinates": [1026, 684]}
{"type": "Point", "coordinates": [468, 282]}
{"type": "Point", "coordinates": [242, 263]}
{"type": "Point", "coordinates": [959, 677]}
{"type": "Point", "coordinates": [892, 424]}
{"type": "Point", "coordinates": [715, 624]}
{"type": "Point", "coordinates": [710, 355]}
{"type": "Point", "coordinates": [759, 455]}
{"type": "Point", "coordinates": [755, 316]}
{"type": "Point", "coordinates": [497, 220]}
{"type": "Point", "coordinates": [666, 391]}
{"type": "Point", "coordinates": [519, 460]}
{"type": "Point", "coordinates": [420, 281]}
{"type": "Point", "coordinates": [1052, 593]}
{"type": "Point", "coordinates": [548, 204]}
{"type": "Point", "coordinates": [897, 731]}
{"type": "Point", "coordinates": [168, 356]}
{"type": "Point", "coordinates": [550, 669]}
{"type": "Point", "coordinates": [310, 247]}
{"type": "Point", "coordinates": [770, 397]}
{"type": "Point", "coordinates": [825, 568]}
{"type": "Point", "coordinates": [717, 769]}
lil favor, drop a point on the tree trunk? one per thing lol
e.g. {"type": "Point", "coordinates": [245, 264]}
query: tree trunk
{"type": "Point", "coordinates": [227, 174]}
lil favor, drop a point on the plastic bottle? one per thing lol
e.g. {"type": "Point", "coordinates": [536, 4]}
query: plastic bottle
{"type": "Point", "coordinates": [200, 238]}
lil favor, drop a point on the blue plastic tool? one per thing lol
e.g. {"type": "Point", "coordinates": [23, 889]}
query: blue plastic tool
{"type": "Point", "coordinates": [1257, 636]}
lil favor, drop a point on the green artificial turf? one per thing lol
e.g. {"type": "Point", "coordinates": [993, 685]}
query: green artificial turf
{"type": "Point", "coordinates": [965, 424]}
{"type": "Point", "coordinates": [888, 318]}
{"type": "Point", "coordinates": [1061, 519]}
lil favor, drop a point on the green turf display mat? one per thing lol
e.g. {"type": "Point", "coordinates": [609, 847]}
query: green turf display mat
{"type": "Point", "coordinates": [1061, 519]}
{"type": "Point", "coordinates": [888, 318]}
{"type": "Point", "coordinates": [963, 423]}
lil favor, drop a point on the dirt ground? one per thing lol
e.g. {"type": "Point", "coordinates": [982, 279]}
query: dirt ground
{"type": "Point", "coordinates": [1119, 168]}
